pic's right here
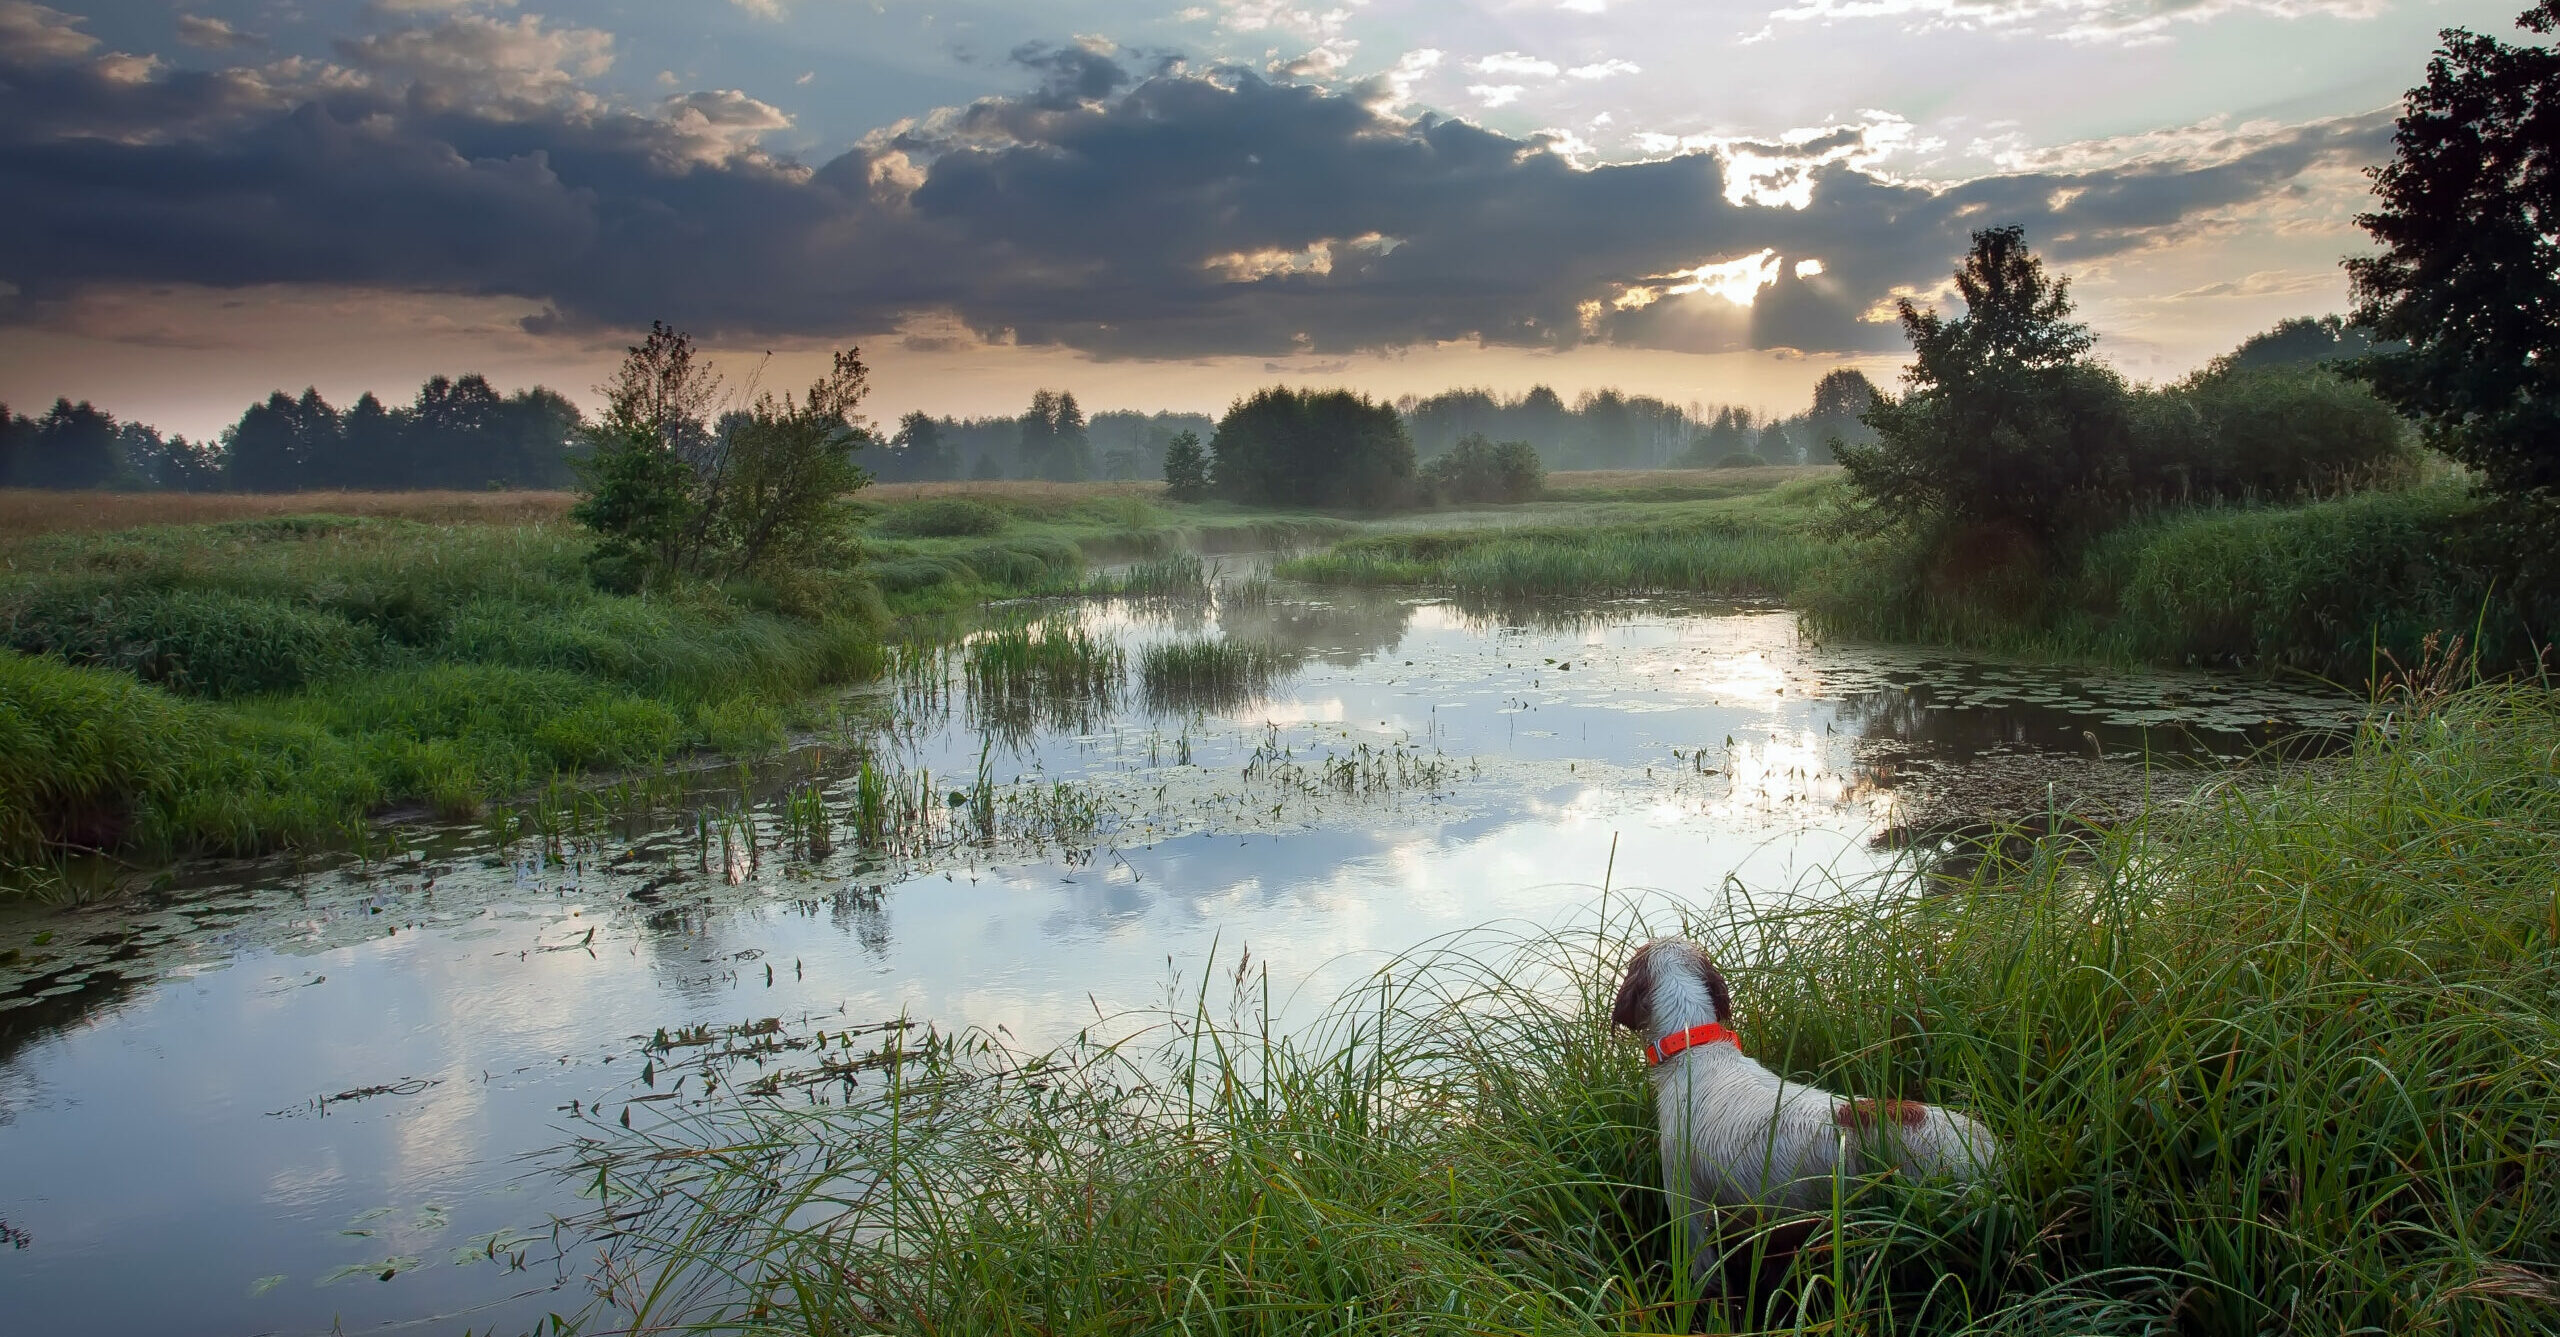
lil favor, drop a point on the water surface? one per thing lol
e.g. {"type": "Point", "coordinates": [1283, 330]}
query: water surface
{"type": "Point", "coordinates": [292, 1099]}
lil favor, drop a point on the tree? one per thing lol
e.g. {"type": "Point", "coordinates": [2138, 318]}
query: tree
{"type": "Point", "coordinates": [2302, 341]}
{"type": "Point", "coordinates": [1840, 402]}
{"type": "Point", "coordinates": [71, 446]}
{"type": "Point", "coordinates": [276, 445]}
{"type": "Point", "coordinates": [2005, 423]}
{"type": "Point", "coordinates": [1186, 468]}
{"type": "Point", "coordinates": [1476, 469]}
{"type": "Point", "coordinates": [2468, 277]}
{"type": "Point", "coordinates": [1288, 447]}
{"type": "Point", "coordinates": [1775, 446]}
{"type": "Point", "coordinates": [765, 489]}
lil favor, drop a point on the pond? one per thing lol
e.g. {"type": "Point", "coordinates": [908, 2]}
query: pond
{"type": "Point", "coordinates": [297, 1098]}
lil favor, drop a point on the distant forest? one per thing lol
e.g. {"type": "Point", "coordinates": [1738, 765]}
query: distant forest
{"type": "Point", "coordinates": [462, 433]}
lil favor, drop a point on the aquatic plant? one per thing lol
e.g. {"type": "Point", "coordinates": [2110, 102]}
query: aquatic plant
{"type": "Point", "coordinates": [2277, 1061]}
{"type": "Point", "coordinates": [1209, 673]}
{"type": "Point", "coordinates": [1180, 575]}
{"type": "Point", "coordinates": [1032, 675]}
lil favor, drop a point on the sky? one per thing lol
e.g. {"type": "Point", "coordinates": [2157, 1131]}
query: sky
{"type": "Point", "coordinates": [1156, 204]}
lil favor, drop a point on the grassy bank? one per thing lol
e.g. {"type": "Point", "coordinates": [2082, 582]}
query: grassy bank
{"type": "Point", "coordinates": [2279, 1062]}
{"type": "Point", "coordinates": [1760, 543]}
{"type": "Point", "coordinates": [2324, 587]}
{"type": "Point", "coordinates": [231, 687]}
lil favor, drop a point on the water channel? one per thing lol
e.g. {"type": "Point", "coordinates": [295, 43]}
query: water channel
{"type": "Point", "coordinates": [307, 1097]}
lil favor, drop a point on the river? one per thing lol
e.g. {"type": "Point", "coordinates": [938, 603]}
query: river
{"type": "Point", "coordinates": [303, 1096]}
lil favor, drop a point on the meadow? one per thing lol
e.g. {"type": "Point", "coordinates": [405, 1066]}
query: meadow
{"type": "Point", "coordinates": [2276, 1060]}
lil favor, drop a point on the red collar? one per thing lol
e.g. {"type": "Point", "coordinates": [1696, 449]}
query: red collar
{"type": "Point", "coordinates": [1710, 1034]}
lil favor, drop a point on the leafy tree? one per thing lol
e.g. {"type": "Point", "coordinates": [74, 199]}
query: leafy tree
{"type": "Point", "coordinates": [145, 460]}
{"type": "Point", "coordinates": [2006, 423]}
{"type": "Point", "coordinates": [1840, 402]}
{"type": "Point", "coordinates": [2468, 276]}
{"type": "Point", "coordinates": [2303, 341]}
{"type": "Point", "coordinates": [1286, 447]}
{"type": "Point", "coordinates": [667, 494]}
{"type": "Point", "coordinates": [1053, 438]}
{"type": "Point", "coordinates": [919, 451]}
{"type": "Point", "coordinates": [272, 447]}
{"type": "Point", "coordinates": [1479, 470]}
{"type": "Point", "coordinates": [1186, 468]}
{"type": "Point", "coordinates": [1727, 435]}
{"type": "Point", "coordinates": [1775, 446]}
{"type": "Point", "coordinates": [71, 446]}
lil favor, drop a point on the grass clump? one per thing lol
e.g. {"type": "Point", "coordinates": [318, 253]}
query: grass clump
{"type": "Point", "coordinates": [1180, 575]}
{"type": "Point", "coordinates": [1741, 561]}
{"type": "Point", "coordinates": [940, 518]}
{"type": "Point", "coordinates": [1032, 675]}
{"type": "Point", "coordinates": [1208, 673]}
{"type": "Point", "coordinates": [2279, 1061]}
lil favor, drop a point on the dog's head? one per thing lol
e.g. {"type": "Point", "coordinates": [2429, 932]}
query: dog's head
{"type": "Point", "coordinates": [1670, 985]}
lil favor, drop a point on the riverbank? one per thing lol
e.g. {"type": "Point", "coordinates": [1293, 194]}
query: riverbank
{"type": "Point", "coordinates": [223, 675]}
{"type": "Point", "coordinates": [2328, 587]}
{"type": "Point", "coordinates": [2276, 1059]}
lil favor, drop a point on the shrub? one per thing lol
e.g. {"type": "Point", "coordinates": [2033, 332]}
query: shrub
{"type": "Point", "coordinates": [1741, 459]}
{"type": "Point", "coordinates": [941, 518]}
{"type": "Point", "coordinates": [1476, 469]}
{"type": "Point", "coordinates": [2287, 431]}
{"type": "Point", "coordinates": [1186, 468]}
{"type": "Point", "coordinates": [204, 642]}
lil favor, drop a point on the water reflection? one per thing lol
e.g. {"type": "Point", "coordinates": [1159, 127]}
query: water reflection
{"type": "Point", "coordinates": [1428, 766]}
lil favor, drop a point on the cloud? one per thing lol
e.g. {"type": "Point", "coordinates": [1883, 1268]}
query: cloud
{"type": "Point", "coordinates": [1127, 207]}
{"type": "Point", "coordinates": [2071, 20]}
{"type": "Point", "coordinates": [212, 34]}
{"type": "Point", "coordinates": [1514, 63]}
{"type": "Point", "coordinates": [35, 33]}
{"type": "Point", "coordinates": [770, 10]}
{"type": "Point", "coordinates": [1606, 69]}
{"type": "Point", "coordinates": [1495, 95]}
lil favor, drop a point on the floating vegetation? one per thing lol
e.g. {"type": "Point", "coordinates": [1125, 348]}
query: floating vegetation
{"type": "Point", "coordinates": [1365, 768]}
{"type": "Point", "coordinates": [1202, 674]}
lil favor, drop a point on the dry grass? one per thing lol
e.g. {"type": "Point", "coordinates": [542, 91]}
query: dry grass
{"type": "Point", "coordinates": [1017, 490]}
{"type": "Point", "coordinates": [1676, 484]}
{"type": "Point", "coordinates": [27, 511]}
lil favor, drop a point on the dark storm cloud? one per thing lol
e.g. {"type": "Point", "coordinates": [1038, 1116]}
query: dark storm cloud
{"type": "Point", "coordinates": [1127, 212]}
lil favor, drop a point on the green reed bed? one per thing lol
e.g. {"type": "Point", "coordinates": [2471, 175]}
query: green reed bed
{"type": "Point", "coordinates": [1742, 561]}
{"type": "Point", "coordinates": [1027, 676]}
{"type": "Point", "coordinates": [295, 676]}
{"type": "Point", "coordinates": [2286, 1060]}
{"type": "Point", "coordinates": [1210, 673]}
{"type": "Point", "coordinates": [1179, 575]}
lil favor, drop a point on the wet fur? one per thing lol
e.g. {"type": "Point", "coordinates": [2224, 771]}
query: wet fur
{"type": "Point", "coordinates": [1737, 1137]}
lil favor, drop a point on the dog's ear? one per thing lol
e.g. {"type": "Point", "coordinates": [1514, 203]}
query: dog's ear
{"type": "Point", "coordinates": [1635, 993]}
{"type": "Point", "coordinates": [1716, 991]}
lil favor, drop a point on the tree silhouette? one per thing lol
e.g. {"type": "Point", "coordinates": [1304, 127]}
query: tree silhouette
{"type": "Point", "coordinates": [2468, 278]}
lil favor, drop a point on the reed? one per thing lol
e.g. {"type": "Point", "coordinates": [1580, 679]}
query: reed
{"type": "Point", "coordinates": [1211, 674]}
{"type": "Point", "coordinates": [2277, 1061]}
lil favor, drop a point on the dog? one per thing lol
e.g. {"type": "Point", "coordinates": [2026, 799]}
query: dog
{"type": "Point", "coordinates": [1738, 1137]}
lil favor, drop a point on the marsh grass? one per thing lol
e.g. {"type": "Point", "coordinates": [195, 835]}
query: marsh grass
{"type": "Point", "coordinates": [2282, 1061]}
{"type": "Point", "coordinates": [1179, 576]}
{"type": "Point", "coordinates": [1031, 675]}
{"type": "Point", "coordinates": [1737, 561]}
{"type": "Point", "coordinates": [1211, 673]}
{"type": "Point", "coordinates": [278, 680]}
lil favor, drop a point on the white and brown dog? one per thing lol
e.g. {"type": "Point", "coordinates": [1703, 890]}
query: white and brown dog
{"type": "Point", "coordinates": [1738, 1136]}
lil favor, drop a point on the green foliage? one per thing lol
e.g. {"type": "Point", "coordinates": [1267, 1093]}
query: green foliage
{"type": "Point", "coordinates": [940, 517]}
{"type": "Point", "coordinates": [2006, 423]}
{"type": "Point", "coordinates": [2321, 587]}
{"type": "Point", "coordinates": [670, 496]}
{"type": "Point", "coordinates": [1476, 469]}
{"type": "Point", "coordinates": [2468, 276]}
{"type": "Point", "coordinates": [1327, 448]}
{"type": "Point", "coordinates": [209, 642]}
{"type": "Point", "coordinates": [2279, 432]}
{"type": "Point", "coordinates": [1208, 673]}
{"type": "Point", "coordinates": [359, 663]}
{"type": "Point", "coordinates": [1741, 459]}
{"type": "Point", "coordinates": [1186, 468]}
{"type": "Point", "coordinates": [2299, 343]}
{"type": "Point", "coordinates": [2273, 1063]}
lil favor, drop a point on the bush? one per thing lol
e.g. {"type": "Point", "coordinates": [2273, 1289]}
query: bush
{"type": "Point", "coordinates": [2284, 432]}
{"type": "Point", "coordinates": [941, 518]}
{"type": "Point", "coordinates": [1479, 470]}
{"type": "Point", "coordinates": [199, 641]}
{"type": "Point", "coordinates": [1287, 447]}
{"type": "Point", "coordinates": [1741, 459]}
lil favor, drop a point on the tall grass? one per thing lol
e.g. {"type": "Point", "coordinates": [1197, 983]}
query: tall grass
{"type": "Point", "coordinates": [2319, 586]}
{"type": "Point", "coordinates": [2282, 1061]}
{"type": "Point", "coordinates": [1029, 676]}
{"type": "Point", "coordinates": [1742, 561]}
{"type": "Point", "coordinates": [300, 673]}
{"type": "Point", "coordinates": [1209, 673]}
